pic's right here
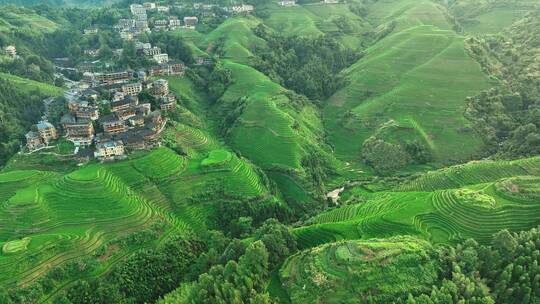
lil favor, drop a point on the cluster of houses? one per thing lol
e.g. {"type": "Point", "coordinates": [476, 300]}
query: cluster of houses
{"type": "Point", "coordinates": [127, 125]}
{"type": "Point", "coordinates": [138, 24]}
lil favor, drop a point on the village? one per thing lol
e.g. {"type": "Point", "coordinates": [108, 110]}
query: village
{"type": "Point", "coordinates": [108, 128]}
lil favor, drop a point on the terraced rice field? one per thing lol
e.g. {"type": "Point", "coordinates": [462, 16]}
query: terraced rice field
{"type": "Point", "coordinates": [65, 217]}
{"type": "Point", "coordinates": [49, 219]}
{"type": "Point", "coordinates": [337, 272]}
{"type": "Point", "coordinates": [238, 39]}
{"type": "Point", "coordinates": [440, 210]}
{"type": "Point", "coordinates": [472, 173]}
{"type": "Point", "coordinates": [402, 80]}
{"type": "Point", "coordinates": [264, 131]}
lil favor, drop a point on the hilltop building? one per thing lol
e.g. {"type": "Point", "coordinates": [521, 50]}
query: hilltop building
{"type": "Point", "coordinates": [91, 31]}
{"type": "Point", "coordinates": [78, 131]}
{"type": "Point", "coordinates": [161, 87]}
{"type": "Point", "coordinates": [161, 58]}
{"type": "Point", "coordinates": [33, 141]}
{"type": "Point", "coordinates": [191, 21]}
{"type": "Point", "coordinates": [109, 150]}
{"type": "Point", "coordinates": [46, 131]}
{"type": "Point", "coordinates": [244, 8]}
{"type": "Point", "coordinates": [287, 3]}
{"type": "Point", "coordinates": [137, 9]}
{"type": "Point", "coordinates": [167, 103]}
{"type": "Point", "coordinates": [11, 51]}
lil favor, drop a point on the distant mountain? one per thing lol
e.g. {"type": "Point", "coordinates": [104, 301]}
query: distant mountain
{"type": "Point", "coordinates": [59, 2]}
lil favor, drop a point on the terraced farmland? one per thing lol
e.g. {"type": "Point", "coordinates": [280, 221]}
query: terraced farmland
{"type": "Point", "coordinates": [403, 81]}
{"type": "Point", "coordinates": [380, 270]}
{"type": "Point", "coordinates": [441, 210]}
{"type": "Point", "coordinates": [49, 219]}
{"type": "Point", "coordinates": [65, 217]}
{"type": "Point", "coordinates": [472, 173]}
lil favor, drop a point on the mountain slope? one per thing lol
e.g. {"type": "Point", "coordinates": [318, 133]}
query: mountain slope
{"type": "Point", "coordinates": [411, 85]}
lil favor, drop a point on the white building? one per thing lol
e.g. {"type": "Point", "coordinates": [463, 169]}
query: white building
{"type": "Point", "coordinates": [137, 9]}
{"type": "Point", "coordinates": [174, 23]}
{"type": "Point", "coordinates": [149, 5]}
{"type": "Point", "coordinates": [163, 9]}
{"type": "Point", "coordinates": [287, 3]}
{"type": "Point", "coordinates": [109, 150]}
{"type": "Point", "coordinates": [161, 58]}
{"type": "Point", "coordinates": [244, 8]}
{"type": "Point", "coordinates": [151, 52]}
{"type": "Point", "coordinates": [11, 51]}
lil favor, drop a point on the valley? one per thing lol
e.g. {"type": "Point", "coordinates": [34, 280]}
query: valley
{"type": "Point", "coordinates": [370, 151]}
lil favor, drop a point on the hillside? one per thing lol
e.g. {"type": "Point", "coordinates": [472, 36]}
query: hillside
{"type": "Point", "coordinates": [470, 201]}
{"type": "Point", "coordinates": [398, 92]}
{"type": "Point", "coordinates": [371, 151]}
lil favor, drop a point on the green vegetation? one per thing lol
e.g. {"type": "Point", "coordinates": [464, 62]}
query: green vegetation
{"type": "Point", "coordinates": [217, 158]}
{"type": "Point", "coordinates": [473, 206]}
{"type": "Point", "coordinates": [377, 271]}
{"type": "Point", "coordinates": [326, 153]}
{"type": "Point", "coordinates": [399, 91]}
{"type": "Point", "coordinates": [15, 246]}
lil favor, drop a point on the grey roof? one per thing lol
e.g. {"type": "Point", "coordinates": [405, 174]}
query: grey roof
{"type": "Point", "coordinates": [44, 125]}
{"type": "Point", "coordinates": [31, 134]}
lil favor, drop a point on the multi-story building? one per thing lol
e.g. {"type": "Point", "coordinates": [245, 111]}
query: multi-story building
{"type": "Point", "coordinates": [174, 23]}
{"type": "Point", "coordinates": [137, 9]}
{"type": "Point", "coordinates": [79, 131]}
{"type": "Point", "coordinates": [149, 5]}
{"type": "Point", "coordinates": [163, 9]}
{"type": "Point", "coordinates": [126, 35]}
{"type": "Point", "coordinates": [11, 51]}
{"type": "Point", "coordinates": [191, 21]}
{"type": "Point", "coordinates": [161, 22]}
{"type": "Point", "coordinates": [112, 125]}
{"type": "Point", "coordinates": [168, 103]}
{"type": "Point", "coordinates": [132, 88]}
{"type": "Point", "coordinates": [125, 24]}
{"type": "Point", "coordinates": [151, 52]}
{"type": "Point", "coordinates": [88, 113]}
{"type": "Point", "coordinates": [33, 141]}
{"type": "Point", "coordinates": [124, 104]}
{"type": "Point", "coordinates": [113, 78]}
{"type": "Point", "coordinates": [91, 31]}
{"type": "Point", "coordinates": [161, 58]}
{"type": "Point", "coordinates": [109, 149]}
{"type": "Point", "coordinates": [161, 87]}
{"type": "Point", "coordinates": [46, 131]}
{"type": "Point", "coordinates": [244, 8]}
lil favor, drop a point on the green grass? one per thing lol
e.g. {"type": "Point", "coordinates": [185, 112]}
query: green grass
{"type": "Point", "coordinates": [264, 131]}
{"type": "Point", "coordinates": [401, 90]}
{"type": "Point", "coordinates": [492, 22]}
{"type": "Point", "coordinates": [294, 21]}
{"type": "Point", "coordinates": [26, 21]}
{"type": "Point", "coordinates": [16, 246]}
{"type": "Point", "coordinates": [28, 85]}
{"type": "Point", "coordinates": [380, 269]}
{"type": "Point", "coordinates": [217, 158]}
{"type": "Point", "coordinates": [237, 37]}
